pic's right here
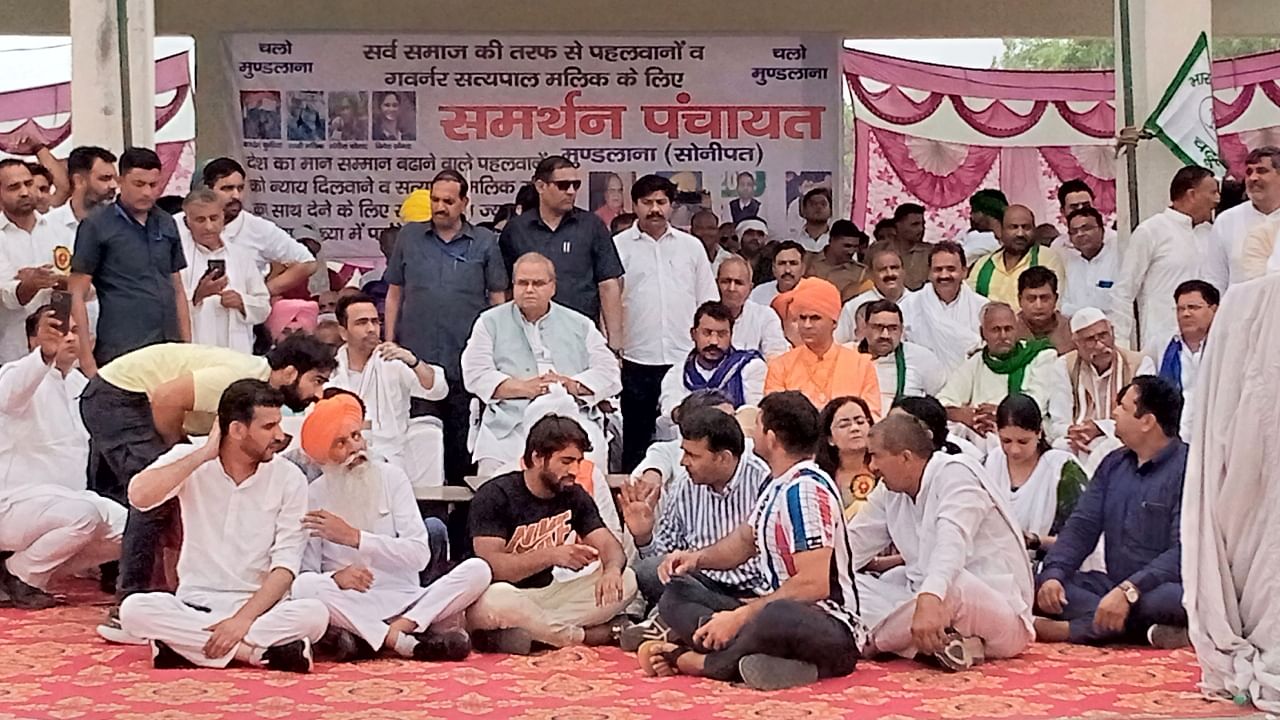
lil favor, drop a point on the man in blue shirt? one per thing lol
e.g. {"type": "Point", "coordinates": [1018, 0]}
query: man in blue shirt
{"type": "Point", "coordinates": [1135, 503]}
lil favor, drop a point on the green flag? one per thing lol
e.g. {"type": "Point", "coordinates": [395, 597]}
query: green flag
{"type": "Point", "coordinates": [1183, 120]}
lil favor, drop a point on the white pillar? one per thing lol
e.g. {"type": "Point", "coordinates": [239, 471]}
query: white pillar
{"type": "Point", "coordinates": [97, 102]}
{"type": "Point", "coordinates": [1161, 34]}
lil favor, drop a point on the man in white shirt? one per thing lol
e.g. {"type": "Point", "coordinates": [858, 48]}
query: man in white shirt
{"type": "Point", "coordinates": [266, 240]}
{"type": "Point", "coordinates": [1231, 227]}
{"type": "Point", "coordinates": [1196, 305]}
{"type": "Point", "coordinates": [944, 315]}
{"type": "Point", "coordinates": [1073, 195]}
{"type": "Point", "coordinates": [50, 523]}
{"type": "Point", "coordinates": [228, 294]}
{"type": "Point", "coordinates": [886, 275]}
{"type": "Point", "coordinates": [815, 208]}
{"type": "Point", "coordinates": [518, 350]}
{"type": "Point", "coordinates": [91, 170]}
{"type": "Point", "coordinates": [966, 594]}
{"type": "Point", "coordinates": [904, 369]}
{"type": "Point", "coordinates": [242, 545]}
{"type": "Point", "coordinates": [27, 262]}
{"type": "Point", "coordinates": [668, 277]}
{"type": "Point", "coordinates": [1094, 264]}
{"type": "Point", "coordinates": [1098, 370]}
{"type": "Point", "coordinates": [385, 376]}
{"type": "Point", "coordinates": [1165, 250]}
{"type": "Point", "coordinates": [788, 268]}
{"type": "Point", "coordinates": [1007, 365]}
{"type": "Point", "coordinates": [368, 545]}
{"type": "Point", "coordinates": [755, 326]}
{"type": "Point", "coordinates": [715, 362]}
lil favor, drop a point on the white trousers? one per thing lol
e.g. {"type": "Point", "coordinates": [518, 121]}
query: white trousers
{"type": "Point", "coordinates": [420, 453]}
{"type": "Point", "coordinates": [163, 617]}
{"type": "Point", "coordinates": [368, 614]}
{"type": "Point", "coordinates": [976, 611]}
{"type": "Point", "coordinates": [554, 615]}
{"type": "Point", "coordinates": [54, 531]}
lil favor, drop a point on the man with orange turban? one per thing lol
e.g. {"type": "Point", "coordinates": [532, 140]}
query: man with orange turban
{"type": "Point", "coordinates": [368, 545]}
{"type": "Point", "coordinates": [819, 368]}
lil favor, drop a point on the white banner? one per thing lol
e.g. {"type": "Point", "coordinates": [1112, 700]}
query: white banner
{"type": "Point", "coordinates": [337, 129]}
{"type": "Point", "coordinates": [1183, 120]}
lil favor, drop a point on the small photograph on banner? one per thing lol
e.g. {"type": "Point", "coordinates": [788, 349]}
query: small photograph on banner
{"type": "Point", "coordinates": [307, 116]}
{"type": "Point", "coordinates": [348, 116]}
{"type": "Point", "coordinates": [260, 113]}
{"type": "Point", "coordinates": [609, 194]}
{"type": "Point", "coordinates": [395, 116]}
{"type": "Point", "coordinates": [740, 194]}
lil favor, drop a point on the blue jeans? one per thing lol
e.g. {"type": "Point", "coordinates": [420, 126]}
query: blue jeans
{"type": "Point", "coordinates": [1162, 605]}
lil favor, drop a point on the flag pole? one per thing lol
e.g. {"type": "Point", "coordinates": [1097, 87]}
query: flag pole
{"type": "Point", "coordinates": [1126, 78]}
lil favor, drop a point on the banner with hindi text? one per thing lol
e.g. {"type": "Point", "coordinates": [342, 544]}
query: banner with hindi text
{"type": "Point", "coordinates": [336, 129]}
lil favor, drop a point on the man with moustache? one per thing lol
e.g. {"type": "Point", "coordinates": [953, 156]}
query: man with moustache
{"type": "Point", "coordinates": [904, 369]}
{"type": "Point", "coordinates": [668, 277]}
{"type": "Point", "coordinates": [995, 277]}
{"type": "Point", "coordinates": [750, 239]}
{"type": "Point", "coordinates": [368, 545]}
{"type": "Point", "coordinates": [242, 545]}
{"type": "Point", "coordinates": [1232, 227]}
{"type": "Point", "coordinates": [755, 327]}
{"type": "Point", "coordinates": [944, 316]}
{"type": "Point", "coordinates": [27, 243]}
{"type": "Point", "coordinates": [560, 576]}
{"type": "Point", "coordinates": [884, 267]}
{"type": "Point", "coordinates": [715, 363]}
{"type": "Point", "coordinates": [788, 268]}
{"type": "Point", "coordinates": [837, 263]}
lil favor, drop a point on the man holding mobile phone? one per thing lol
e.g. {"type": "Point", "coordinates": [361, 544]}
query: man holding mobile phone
{"type": "Point", "coordinates": [228, 295]}
{"type": "Point", "coordinates": [27, 241]}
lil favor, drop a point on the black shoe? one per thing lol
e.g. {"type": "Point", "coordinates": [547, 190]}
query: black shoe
{"type": "Point", "coordinates": [447, 646]}
{"type": "Point", "coordinates": [1168, 637]}
{"type": "Point", "coordinates": [769, 672]}
{"type": "Point", "coordinates": [22, 595]}
{"type": "Point", "coordinates": [108, 574]}
{"type": "Point", "coordinates": [510, 641]}
{"type": "Point", "coordinates": [292, 657]}
{"type": "Point", "coordinates": [338, 645]}
{"type": "Point", "coordinates": [164, 657]}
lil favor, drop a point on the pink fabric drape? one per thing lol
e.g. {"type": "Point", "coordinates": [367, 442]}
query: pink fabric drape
{"type": "Point", "coordinates": [1098, 121]}
{"type": "Point", "coordinates": [933, 189]}
{"type": "Point", "coordinates": [1020, 181]}
{"type": "Point", "coordinates": [1226, 113]}
{"type": "Point", "coordinates": [1065, 165]}
{"type": "Point", "coordinates": [894, 106]}
{"type": "Point", "coordinates": [997, 119]}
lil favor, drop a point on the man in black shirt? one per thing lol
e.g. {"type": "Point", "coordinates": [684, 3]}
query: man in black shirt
{"type": "Point", "coordinates": [560, 576]}
{"type": "Point", "coordinates": [576, 241]}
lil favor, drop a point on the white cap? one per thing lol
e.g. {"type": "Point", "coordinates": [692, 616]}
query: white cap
{"type": "Point", "coordinates": [750, 224]}
{"type": "Point", "coordinates": [1085, 317]}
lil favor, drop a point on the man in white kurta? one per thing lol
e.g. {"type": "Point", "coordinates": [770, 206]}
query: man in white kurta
{"type": "Point", "coordinates": [368, 545]}
{"type": "Point", "coordinates": [1165, 250]}
{"type": "Point", "coordinates": [27, 242]}
{"type": "Point", "coordinates": [386, 376]}
{"type": "Point", "coordinates": [48, 520]}
{"type": "Point", "coordinates": [519, 350]}
{"type": "Point", "coordinates": [1093, 263]}
{"type": "Point", "coordinates": [1097, 369]}
{"type": "Point", "coordinates": [885, 265]}
{"type": "Point", "coordinates": [755, 326]}
{"type": "Point", "coordinates": [1006, 365]}
{"type": "Point", "coordinates": [1231, 227]}
{"type": "Point", "coordinates": [944, 315]}
{"type": "Point", "coordinates": [904, 369]}
{"type": "Point", "coordinates": [1197, 306]}
{"type": "Point", "coordinates": [966, 569]}
{"type": "Point", "coordinates": [226, 303]}
{"type": "Point", "coordinates": [242, 543]}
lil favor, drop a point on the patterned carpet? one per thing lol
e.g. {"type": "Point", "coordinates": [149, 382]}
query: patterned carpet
{"type": "Point", "coordinates": [53, 666]}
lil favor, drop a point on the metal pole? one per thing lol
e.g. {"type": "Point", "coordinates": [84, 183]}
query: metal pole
{"type": "Point", "coordinates": [126, 97]}
{"type": "Point", "coordinates": [1126, 77]}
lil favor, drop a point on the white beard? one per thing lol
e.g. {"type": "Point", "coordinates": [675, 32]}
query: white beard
{"type": "Point", "coordinates": [355, 492]}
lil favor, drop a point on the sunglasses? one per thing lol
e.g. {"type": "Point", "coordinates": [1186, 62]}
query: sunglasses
{"type": "Point", "coordinates": [564, 185]}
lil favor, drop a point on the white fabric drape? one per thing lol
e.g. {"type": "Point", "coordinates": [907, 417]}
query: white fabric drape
{"type": "Point", "coordinates": [1230, 536]}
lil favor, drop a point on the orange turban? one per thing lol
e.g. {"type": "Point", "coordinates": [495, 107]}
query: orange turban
{"type": "Point", "coordinates": [813, 295]}
{"type": "Point", "coordinates": [324, 423]}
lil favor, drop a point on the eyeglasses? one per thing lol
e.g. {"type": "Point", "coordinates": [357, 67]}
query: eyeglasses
{"type": "Point", "coordinates": [564, 185]}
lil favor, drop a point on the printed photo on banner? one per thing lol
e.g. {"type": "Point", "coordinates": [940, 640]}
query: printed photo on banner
{"type": "Point", "coordinates": [691, 196]}
{"type": "Point", "coordinates": [260, 114]}
{"type": "Point", "coordinates": [306, 116]}
{"type": "Point", "coordinates": [609, 194]}
{"type": "Point", "coordinates": [745, 190]}
{"type": "Point", "coordinates": [799, 183]}
{"type": "Point", "coordinates": [348, 116]}
{"type": "Point", "coordinates": [395, 115]}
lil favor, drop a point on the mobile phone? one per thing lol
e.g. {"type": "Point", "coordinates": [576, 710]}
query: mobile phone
{"type": "Point", "coordinates": [61, 303]}
{"type": "Point", "coordinates": [216, 268]}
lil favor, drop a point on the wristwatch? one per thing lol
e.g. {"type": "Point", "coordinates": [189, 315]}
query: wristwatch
{"type": "Point", "coordinates": [1130, 592]}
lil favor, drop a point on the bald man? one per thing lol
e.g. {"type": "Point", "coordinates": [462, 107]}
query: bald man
{"type": "Point", "coordinates": [368, 545]}
{"type": "Point", "coordinates": [995, 277]}
{"type": "Point", "coordinates": [966, 594]}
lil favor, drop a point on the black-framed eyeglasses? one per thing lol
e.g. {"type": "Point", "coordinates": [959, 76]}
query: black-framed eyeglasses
{"type": "Point", "coordinates": [564, 185]}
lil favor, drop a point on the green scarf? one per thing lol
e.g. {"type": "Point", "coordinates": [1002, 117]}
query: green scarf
{"type": "Point", "coordinates": [1015, 363]}
{"type": "Point", "coordinates": [983, 284]}
{"type": "Point", "coordinates": [900, 361]}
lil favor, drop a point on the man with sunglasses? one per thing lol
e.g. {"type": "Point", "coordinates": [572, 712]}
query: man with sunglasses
{"type": "Point", "coordinates": [577, 243]}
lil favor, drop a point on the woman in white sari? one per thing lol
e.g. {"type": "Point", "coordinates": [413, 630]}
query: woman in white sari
{"type": "Point", "coordinates": [1043, 483]}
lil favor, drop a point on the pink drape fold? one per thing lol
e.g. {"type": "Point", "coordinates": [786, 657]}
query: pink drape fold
{"type": "Point", "coordinates": [894, 106]}
{"type": "Point", "coordinates": [1098, 121]}
{"type": "Point", "coordinates": [936, 190]}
